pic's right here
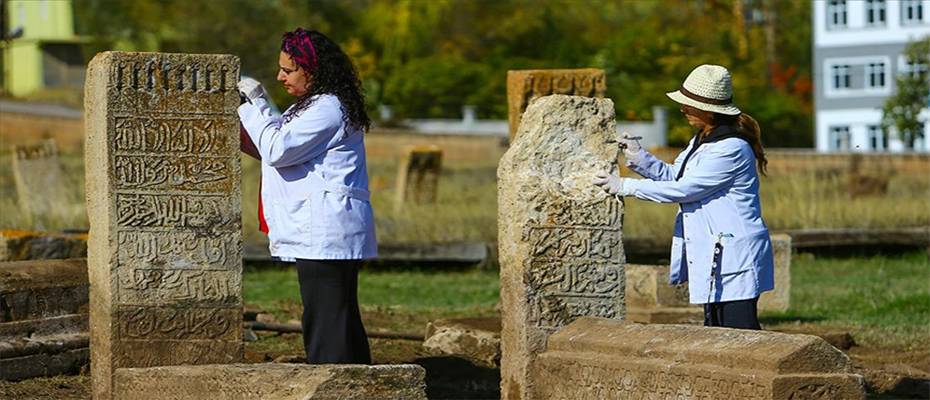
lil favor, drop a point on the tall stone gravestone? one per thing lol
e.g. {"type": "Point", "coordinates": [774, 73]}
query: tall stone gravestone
{"type": "Point", "coordinates": [524, 86]}
{"type": "Point", "coordinates": [561, 252]}
{"type": "Point", "coordinates": [41, 188]}
{"type": "Point", "coordinates": [418, 175]}
{"type": "Point", "coordinates": [163, 199]}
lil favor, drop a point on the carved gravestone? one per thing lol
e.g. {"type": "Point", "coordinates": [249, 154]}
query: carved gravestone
{"type": "Point", "coordinates": [163, 200]}
{"type": "Point", "coordinates": [418, 175]}
{"type": "Point", "coordinates": [780, 298]}
{"type": "Point", "coordinates": [596, 358]}
{"type": "Point", "coordinates": [651, 300]}
{"type": "Point", "coordinates": [524, 86]}
{"type": "Point", "coordinates": [43, 192]}
{"type": "Point", "coordinates": [561, 252]}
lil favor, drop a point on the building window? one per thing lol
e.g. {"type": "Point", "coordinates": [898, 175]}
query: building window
{"type": "Point", "coordinates": [875, 12]}
{"type": "Point", "coordinates": [839, 137]}
{"type": "Point", "coordinates": [841, 77]}
{"type": "Point", "coordinates": [836, 14]}
{"type": "Point", "coordinates": [920, 138]}
{"type": "Point", "coordinates": [912, 12]}
{"type": "Point", "coordinates": [876, 74]}
{"type": "Point", "coordinates": [877, 138]}
{"type": "Point", "coordinates": [913, 68]}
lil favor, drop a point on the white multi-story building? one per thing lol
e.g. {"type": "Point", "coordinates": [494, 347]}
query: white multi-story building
{"type": "Point", "coordinates": [858, 51]}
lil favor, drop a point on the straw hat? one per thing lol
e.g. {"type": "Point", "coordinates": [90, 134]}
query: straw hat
{"type": "Point", "coordinates": [707, 88]}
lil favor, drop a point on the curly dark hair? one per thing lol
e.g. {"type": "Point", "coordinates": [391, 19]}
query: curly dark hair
{"type": "Point", "coordinates": [333, 74]}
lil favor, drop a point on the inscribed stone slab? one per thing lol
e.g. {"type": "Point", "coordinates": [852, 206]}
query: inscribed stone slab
{"type": "Point", "coordinates": [42, 289]}
{"type": "Point", "coordinates": [272, 382]}
{"type": "Point", "coordinates": [418, 175]}
{"type": "Point", "coordinates": [42, 190]}
{"type": "Point", "coordinates": [524, 86]}
{"type": "Point", "coordinates": [780, 298]}
{"type": "Point", "coordinates": [561, 252]}
{"type": "Point", "coordinates": [162, 175]}
{"type": "Point", "coordinates": [600, 358]}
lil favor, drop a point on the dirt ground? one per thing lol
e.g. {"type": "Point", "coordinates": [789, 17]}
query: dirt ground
{"type": "Point", "coordinates": [889, 373]}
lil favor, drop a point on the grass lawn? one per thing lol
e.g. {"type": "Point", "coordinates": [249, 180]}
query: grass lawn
{"type": "Point", "coordinates": [884, 302]}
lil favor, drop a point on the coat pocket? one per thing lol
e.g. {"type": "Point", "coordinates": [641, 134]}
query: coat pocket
{"type": "Point", "coordinates": [735, 254]}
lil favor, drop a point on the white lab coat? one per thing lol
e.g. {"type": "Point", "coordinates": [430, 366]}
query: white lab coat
{"type": "Point", "coordinates": [719, 204]}
{"type": "Point", "coordinates": [314, 182]}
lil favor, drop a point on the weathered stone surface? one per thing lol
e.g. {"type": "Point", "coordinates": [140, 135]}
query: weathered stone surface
{"type": "Point", "coordinates": [780, 298]}
{"type": "Point", "coordinates": [73, 323]}
{"type": "Point", "coordinates": [647, 287]}
{"type": "Point", "coordinates": [20, 245]}
{"type": "Point", "coordinates": [693, 315]}
{"type": "Point", "coordinates": [477, 339]}
{"type": "Point", "coordinates": [418, 175]}
{"type": "Point", "coordinates": [165, 247]}
{"type": "Point", "coordinates": [42, 189]}
{"type": "Point", "coordinates": [42, 289]}
{"type": "Point", "coordinates": [58, 362]}
{"type": "Point", "coordinates": [601, 358]}
{"type": "Point", "coordinates": [560, 241]}
{"type": "Point", "coordinates": [271, 382]}
{"type": "Point", "coordinates": [651, 300]}
{"type": "Point", "coordinates": [43, 347]}
{"type": "Point", "coordinates": [524, 86]}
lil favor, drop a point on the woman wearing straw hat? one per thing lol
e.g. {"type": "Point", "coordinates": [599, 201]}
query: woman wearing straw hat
{"type": "Point", "coordinates": [721, 245]}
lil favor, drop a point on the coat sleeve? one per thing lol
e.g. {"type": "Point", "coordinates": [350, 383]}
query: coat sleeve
{"type": "Point", "coordinates": [650, 167]}
{"type": "Point", "coordinates": [297, 142]}
{"type": "Point", "coordinates": [717, 168]}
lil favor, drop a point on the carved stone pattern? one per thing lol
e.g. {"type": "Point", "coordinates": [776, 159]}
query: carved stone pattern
{"type": "Point", "coordinates": [159, 286]}
{"type": "Point", "coordinates": [151, 323]}
{"type": "Point", "coordinates": [159, 74]}
{"type": "Point", "coordinates": [586, 382]}
{"type": "Point", "coordinates": [815, 391]}
{"type": "Point", "coordinates": [155, 134]}
{"type": "Point", "coordinates": [563, 211]}
{"type": "Point", "coordinates": [160, 248]}
{"type": "Point", "coordinates": [172, 211]}
{"type": "Point", "coordinates": [561, 291]}
{"type": "Point", "coordinates": [180, 173]}
{"type": "Point", "coordinates": [574, 242]}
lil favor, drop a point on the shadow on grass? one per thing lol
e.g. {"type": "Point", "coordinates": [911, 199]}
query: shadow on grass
{"type": "Point", "coordinates": [772, 319]}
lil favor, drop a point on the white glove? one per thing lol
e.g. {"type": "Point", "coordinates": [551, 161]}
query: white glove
{"type": "Point", "coordinates": [611, 183]}
{"type": "Point", "coordinates": [629, 144]}
{"type": "Point", "coordinates": [250, 88]}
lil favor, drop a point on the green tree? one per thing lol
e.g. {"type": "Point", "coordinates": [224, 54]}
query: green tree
{"type": "Point", "coordinates": [912, 95]}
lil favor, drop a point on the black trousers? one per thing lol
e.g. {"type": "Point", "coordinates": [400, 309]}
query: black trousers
{"type": "Point", "coordinates": [739, 314]}
{"type": "Point", "coordinates": [332, 323]}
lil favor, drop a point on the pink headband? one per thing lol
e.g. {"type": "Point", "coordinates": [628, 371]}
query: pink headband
{"type": "Point", "coordinates": [298, 45]}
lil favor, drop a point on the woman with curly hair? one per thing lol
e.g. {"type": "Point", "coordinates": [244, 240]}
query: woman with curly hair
{"type": "Point", "coordinates": [314, 198]}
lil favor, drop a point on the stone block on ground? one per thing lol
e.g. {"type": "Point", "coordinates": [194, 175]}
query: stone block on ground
{"type": "Point", "coordinates": [43, 347]}
{"type": "Point", "coordinates": [20, 245]}
{"type": "Point", "coordinates": [42, 189]}
{"type": "Point", "coordinates": [418, 176]}
{"type": "Point", "coordinates": [524, 86]}
{"type": "Point", "coordinates": [651, 300]}
{"type": "Point", "coordinates": [561, 253]}
{"type": "Point", "coordinates": [271, 382]}
{"type": "Point", "coordinates": [165, 248]}
{"type": "Point", "coordinates": [601, 358]}
{"type": "Point", "coordinates": [43, 288]}
{"type": "Point", "coordinates": [476, 339]}
{"type": "Point", "coordinates": [780, 298]}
